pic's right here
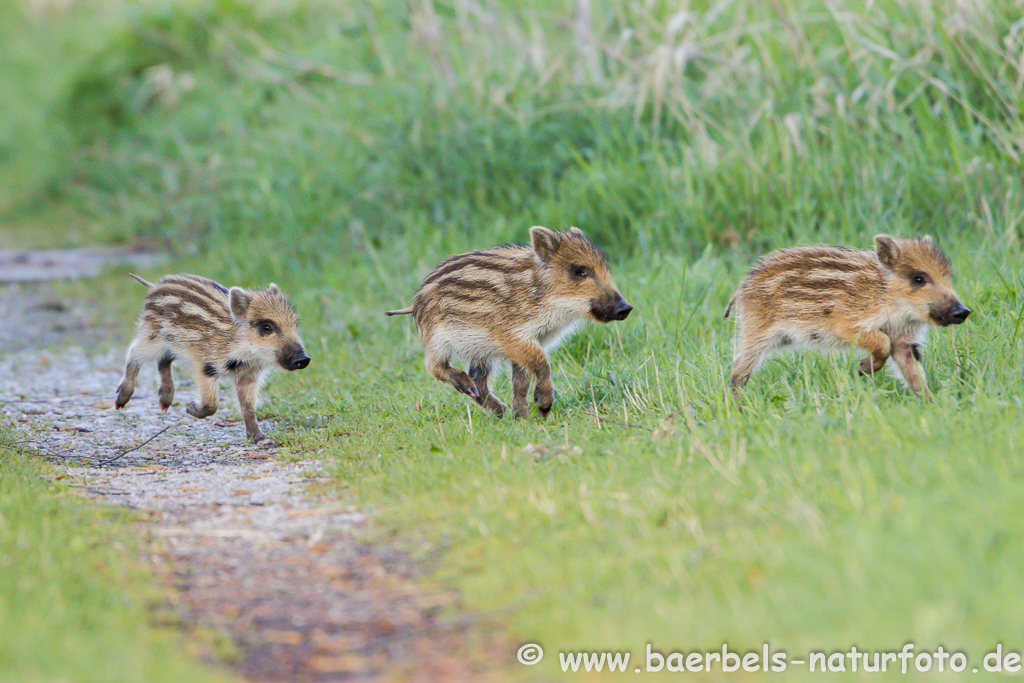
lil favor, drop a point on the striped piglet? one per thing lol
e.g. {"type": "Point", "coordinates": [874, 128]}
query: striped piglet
{"type": "Point", "coordinates": [233, 333]}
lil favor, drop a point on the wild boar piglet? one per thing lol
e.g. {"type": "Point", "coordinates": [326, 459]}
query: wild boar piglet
{"type": "Point", "coordinates": [232, 333]}
{"type": "Point", "coordinates": [512, 303]}
{"type": "Point", "coordinates": [825, 297]}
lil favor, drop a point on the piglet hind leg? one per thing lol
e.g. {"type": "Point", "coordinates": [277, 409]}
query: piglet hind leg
{"type": "Point", "coordinates": [442, 370]}
{"type": "Point", "coordinates": [745, 362]}
{"type": "Point", "coordinates": [737, 381]}
{"type": "Point", "coordinates": [907, 355]}
{"type": "Point", "coordinates": [480, 374]}
{"type": "Point", "coordinates": [520, 390]}
{"type": "Point", "coordinates": [166, 382]}
{"type": "Point", "coordinates": [247, 387]}
{"type": "Point", "coordinates": [127, 386]}
{"type": "Point", "coordinates": [139, 352]}
{"type": "Point", "coordinates": [531, 357]}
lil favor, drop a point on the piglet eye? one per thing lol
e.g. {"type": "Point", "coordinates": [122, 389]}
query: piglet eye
{"type": "Point", "coordinates": [580, 272]}
{"type": "Point", "coordinates": [918, 278]}
{"type": "Point", "coordinates": [266, 328]}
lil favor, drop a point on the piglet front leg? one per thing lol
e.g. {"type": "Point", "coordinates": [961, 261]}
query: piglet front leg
{"type": "Point", "coordinates": [208, 401]}
{"type": "Point", "coordinates": [879, 348]}
{"type": "Point", "coordinates": [907, 356]}
{"type": "Point", "coordinates": [247, 387]}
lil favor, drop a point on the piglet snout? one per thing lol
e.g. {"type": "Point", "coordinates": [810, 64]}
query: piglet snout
{"type": "Point", "coordinates": [622, 310]}
{"type": "Point", "coordinates": [954, 314]}
{"type": "Point", "coordinates": [958, 314]}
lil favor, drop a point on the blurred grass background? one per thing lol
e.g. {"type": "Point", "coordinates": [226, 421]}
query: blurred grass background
{"type": "Point", "coordinates": [343, 149]}
{"type": "Point", "coordinates": [658, 126]}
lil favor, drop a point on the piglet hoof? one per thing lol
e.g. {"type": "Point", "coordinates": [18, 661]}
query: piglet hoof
{"type": "Point", "coordinates": [123, 396]}
{"type": "Point", "coordinates": [545, 397]}
{"type": "Point", "coordinates": [166, 398]}
{"type": "Point", "coordinates": [922, 391]}
{"type": "Point", "coordinates": [260, 437]}
{"type": "Point", "coordinates": [470, 390]}
{"type": "Point", "coordinates": [737, 398]}
{"type": "Point", "coordinates": [544, 405]}
{"type": "Point", "coordinates": [866, 367]}
{"type": "Point", "coordinates": [198, 411]}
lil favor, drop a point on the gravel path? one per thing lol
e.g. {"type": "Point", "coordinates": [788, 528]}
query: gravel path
{"type": "Point", "coordinates": [256, 547]}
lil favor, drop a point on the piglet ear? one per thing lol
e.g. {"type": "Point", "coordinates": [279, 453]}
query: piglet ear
{"type": "Point", "coordinates": [238, 302]}
{"type": "Point", "coordinates": [927, 239]}
{"type": "Point", "coordinates": [576, 231]}
{"type": "Point", "coordinates": [545, 242]}
{"type": "Point", "coordinates": [887, 250]}
{"type": "Point", "coordinates": [273, 289]}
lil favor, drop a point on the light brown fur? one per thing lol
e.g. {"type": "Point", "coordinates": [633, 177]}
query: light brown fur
{"type": "Point", "coordinates": [829, 297]}
{"type": "Point", "coordinates": [221, 332]}
{"type": "Point", "coordinates": [512, 303]}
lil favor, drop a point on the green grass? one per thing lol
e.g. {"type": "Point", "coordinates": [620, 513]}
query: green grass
{"type": "Point", "coordinates": [74, 595]}
{"type": "Point", "coordinates": [833, 511]}
{"type": "Point", "coordinates": [342, 151]}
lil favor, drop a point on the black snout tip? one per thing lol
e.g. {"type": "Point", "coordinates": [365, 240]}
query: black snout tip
{"type": "Point", "coordinates": [958, 314]}
{"type": "Point", "coordinates": [300, 361]}
{"type": "Point", "coordinates": [621, 311]}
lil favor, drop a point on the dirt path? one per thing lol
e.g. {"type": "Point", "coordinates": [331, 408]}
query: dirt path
{"type": "Point", "coordinates": [256, 548]}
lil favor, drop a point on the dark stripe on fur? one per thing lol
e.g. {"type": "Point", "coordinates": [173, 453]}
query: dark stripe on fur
{"type": "Point", "coordinates": [204, 299]}
{"type": "Point", "coordinates": [480, 260]}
